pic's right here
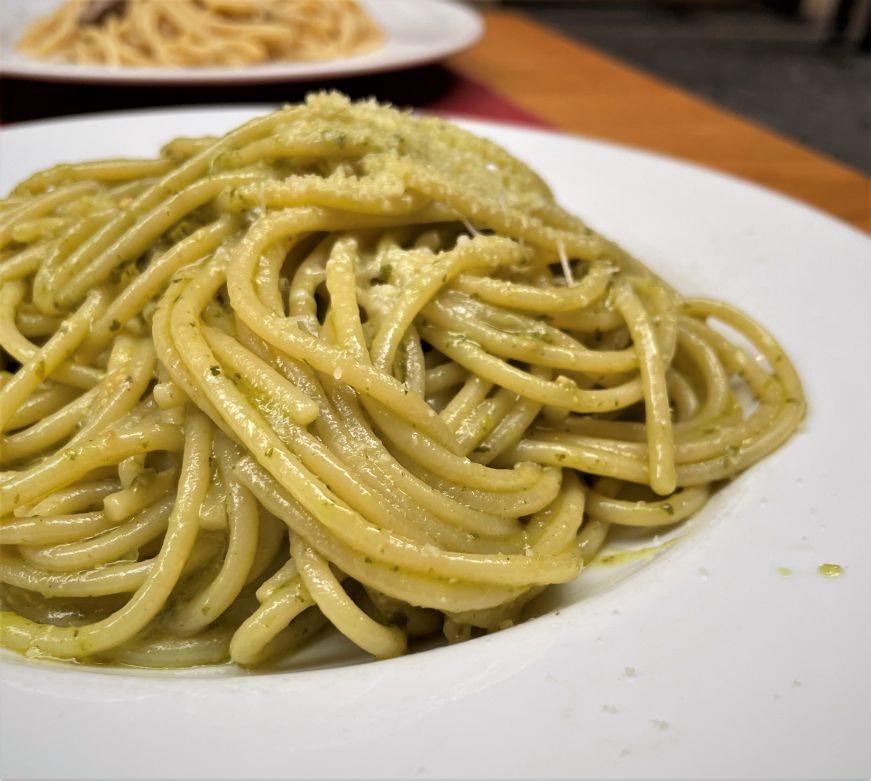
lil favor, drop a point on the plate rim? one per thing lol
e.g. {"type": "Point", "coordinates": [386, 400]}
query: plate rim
{"type": "Point", "coordinates": [473, 121]}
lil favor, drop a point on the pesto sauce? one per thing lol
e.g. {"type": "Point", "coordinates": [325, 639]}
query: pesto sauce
{"type": "Point", "coordinates": [618, 557]}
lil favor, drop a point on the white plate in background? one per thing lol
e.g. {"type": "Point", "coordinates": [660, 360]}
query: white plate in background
{"type": "Point", "coordinates": [416, 32]}
{"type": "Point", "coordinates": [707, 663]}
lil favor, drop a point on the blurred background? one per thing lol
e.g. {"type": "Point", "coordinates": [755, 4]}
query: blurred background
{"type": "Point", "coordinates": [776, 91]}
{"type": "Point", "coordinates": [802, 67]}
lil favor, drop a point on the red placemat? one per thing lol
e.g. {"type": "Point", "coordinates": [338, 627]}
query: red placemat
{"type": "Point", "coordinates": [432, 88]}
{"type": "Point", "coordinates": [470, 99]}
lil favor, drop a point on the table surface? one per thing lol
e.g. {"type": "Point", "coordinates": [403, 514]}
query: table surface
{"type": "Point", "coordinates": [577, 89]}
{"type": "Point", "coordinates": [521, 71]}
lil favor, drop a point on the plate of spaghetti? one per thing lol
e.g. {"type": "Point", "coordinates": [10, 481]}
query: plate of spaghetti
{"type": "Point", "coordinates": [286, 392]}
{"type": "Point", "coordinates": [221, 41]}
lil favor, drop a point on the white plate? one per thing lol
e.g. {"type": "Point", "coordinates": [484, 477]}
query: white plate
{"type": "Point", "coordinates": [706, 663]}
{"type": "Point", "coordinates": [417, 32]}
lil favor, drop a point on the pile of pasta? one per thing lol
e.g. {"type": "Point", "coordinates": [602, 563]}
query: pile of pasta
{"type": "Point", "coordinates": [342, 366]}
{"type": "Point", "coordinates": [190, 33]}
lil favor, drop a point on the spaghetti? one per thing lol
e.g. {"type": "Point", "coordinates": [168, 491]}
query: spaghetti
{"type": "Point", "coordinates": [191, 33]}
{"type": "Point", "coordinates": [342, 366]}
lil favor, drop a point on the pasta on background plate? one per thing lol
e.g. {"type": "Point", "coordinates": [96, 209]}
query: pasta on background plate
{"type": "Point", "coordinates": [195, 33]}
{"type": "Point", "coordinates": [342, 366]}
